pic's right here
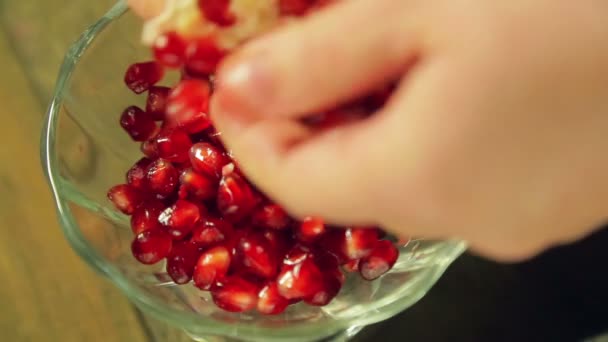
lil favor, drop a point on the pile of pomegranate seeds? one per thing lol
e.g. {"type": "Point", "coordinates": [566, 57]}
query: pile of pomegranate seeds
{"type": "Point", "coordinates": [192, 207]}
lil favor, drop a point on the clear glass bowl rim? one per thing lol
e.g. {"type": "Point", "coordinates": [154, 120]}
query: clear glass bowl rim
{"type": "Point", "coordinates": [148, 304]}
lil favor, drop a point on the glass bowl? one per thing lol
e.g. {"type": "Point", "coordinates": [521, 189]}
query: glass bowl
{"type": "Point", "coordinates": [84, 152]}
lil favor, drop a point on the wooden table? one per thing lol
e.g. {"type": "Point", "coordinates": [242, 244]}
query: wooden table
{"type": "Point", "coordinates": [48, 294]}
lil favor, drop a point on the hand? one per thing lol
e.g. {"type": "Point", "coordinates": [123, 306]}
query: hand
{"type": "Point", "coordinates": [496, 135]}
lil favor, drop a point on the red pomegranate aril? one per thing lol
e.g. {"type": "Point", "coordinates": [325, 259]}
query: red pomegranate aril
{"type": "Point", "coordinates": [156, 103]}
{"type": "Point", "coordinates": [257, 256]}
{"type": "Point", "coordinates": [181, 262]}
{"type": "Point", "coordinates": [212, 266]}
{"type": "Point", "coordinates": [136, 176]}
{"type": "Point", "coordinates": [235, 198]}
{"type": "Point", "coordinates": [151, 246]}
{"type": "Point", "coordinates": [360, 242]}
{"type": "Point", "coordinates": [330, 288]}
{"type": "Point", "coordinates": [351, 266]}
{"type": "Point", "coordinates": [236, 294]}
{"type": "Point", "coordinates": [138, 124]}
{"type": "Point", "coordinates": [146, 216]}
{"type": "Point", "coordinates": [310, 229]}
{"type": "Point", "coordinates": [173, 145]}
{"type": "Point", "coordinates": [198, 186]}
{"type": "Point", "coordinates": [334, 241]}
{"type": "Point", "coordinates": [169, 50]}
{"type": "Point", "coordinates": [149, 149]}
{"type": "Point", "coordinates": [141, 76]}
{"type": "Point", "coordinates": [381, 260]}
{"type": "Point", "coordinates": [271, 216]}
{"type": "Point", "coordinates": [211, 231]}
{"type": "Point", "coordinates": [203, 55]}
{"type": "Point", "coordinates": [300, 280]}
{"type": "Point", "coordinates": [188, 106]}
{"type": "Point", "coordinates": [162, 177]}
{"type": "Point", "coordinates": [270, 301]}
{"type": "Point", "coordinates": [208, 159]}
{"type": "Point", "coordinates": [126, 198]}
{"type": "Point", "coordinates": [217, 11]}
{"type": "Point", "coordinates": [294, 7]}
{"type": "Point", "coordinates": [297, 254]}
{"type": "Point", "coordinates": [279, 241]}
{"type": "Point", "coordinates": [180, 218]}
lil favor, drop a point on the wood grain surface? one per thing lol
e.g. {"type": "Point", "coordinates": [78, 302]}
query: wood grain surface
{"type": "Point", "coordinates": [47, 293]}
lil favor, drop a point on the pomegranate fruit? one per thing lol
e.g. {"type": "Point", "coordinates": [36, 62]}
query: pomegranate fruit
{"type": "Point", "coordinates": [381, 259]}
{"type": "Point", "coordinates": [151, 246]}
{"type": "Point", "coordinates": [141, 76]}
{"type": "Point", "coordinates": [211, 267]}
{"type": "Point", "coordinates": [145, 217]}
{"type": "Point", "coordinates": [156, 103]}
{"type": "Point", "coordinates": [211, 231]}
{"type": "Point", "coordinates": [138, 124]}
{"type": "Point", "coordinates": [181, 262]}
{"type": "Point", "coordinates": [179, 219]}
{"type": "Point", "coordinates": [236, 294]}
{"type": "Point", "coordinates": [270, 301]}
{"type": "Point", "coordinates": [190, 204]}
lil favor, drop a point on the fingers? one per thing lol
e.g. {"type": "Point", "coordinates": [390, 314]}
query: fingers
{"type": "Point", "coordinates": [146, 8]}
{"type": "Point", "coordinates": [332, 56]}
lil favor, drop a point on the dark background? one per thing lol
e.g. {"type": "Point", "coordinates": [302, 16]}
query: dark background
{"type": "Point", "coordinates": [561, 295]}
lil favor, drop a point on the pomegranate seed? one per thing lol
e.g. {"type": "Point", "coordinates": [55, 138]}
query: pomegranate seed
{"type": "Point", "coordinates": [208, 159]}
{"type": "Point", "coordinates": [173, 145]}
{"type": "Point", "coordinates": [329, 290]}
{"type": "Point", "coordinates": [141, 76]}
{"type": "Point", "coordinates": [294, 7]}
{"type": "Point", "coordinates": [125, 198]}
{"type": "Point", "coordinates": [360, 242]}
{"type": "Point", "coordinates": [137, 124]}
{"type": "Point", "coordinates": [198, 186]}
{"type": "Point", "coordinates": [169, 50]}
{"type": "Point", "coordinates": [149, 149]}
{"type": "Point", "coordinates": [211, 231]}
{"type": "Point", "coordinates": [279, 241]}
{"type": "Point", "coordinates": [188, 105]}
{"type": "Point", "coordinates": [203, 55]}
{"type": "Point", "coordinates": [300, 280]}
{"type": "Point", "coordinates": [310, 229]}
{"type": "Point", "coordinates": [151, 246]}
{"type": "Point", "coordinates": [217, 11]}
{"type": "Point", "coordinates": [236, 294]}
{"type": "Point", "coordinates": [162, 177]}
{"type": "Point", "coordinates": [257, 256]}
{"type": "Point", "coordinates": [235, 198]}
{"type": "Point", "coordinates": [180, 218]}
{"type": "Point", "coordinates": [146, 216]}
{"type": "Point", "coordinates": [334, 241]}
{"type": "Point", "coordinates": [270, 302]}
{"type": "Point", "coordinates": [136, 176]}
{"type": "Point", "coordinates": [156, 103]}
{"type": "Point", "coordinates": [270, 216]}
{"type": "Point", "coordinates": [297, 254]}
{"type": "Point", "coordinates": [381, 260]}
{"type": "Point", "coordinates": [181, 262]}
{"type": "Point", "coordinates": [351, 266]}
{"type": "Point", "coordinates": [211, 266]}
